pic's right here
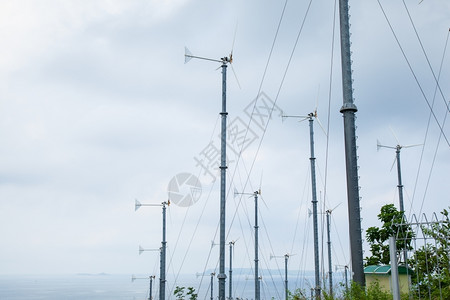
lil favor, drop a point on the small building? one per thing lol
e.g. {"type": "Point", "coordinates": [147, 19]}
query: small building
{"type": "Point", "coordinates": [382, 274]}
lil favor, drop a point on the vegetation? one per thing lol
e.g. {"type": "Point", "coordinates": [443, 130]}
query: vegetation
{"type": "Point", "coordinates": [431, 262]}
{"type": "Point", "coordinates": [373, 292]}
{"type": "Point", "coordinates": [378, 238]}
{"type": "Point", "coordinates": [180, 295]}
{"type": "Point", "coordinates": [298, 294]}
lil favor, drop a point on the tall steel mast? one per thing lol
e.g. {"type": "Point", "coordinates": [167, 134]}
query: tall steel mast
{"type": "Point", "coordinates": [314, 203]}
{"type": "Point", "coordinates": [348, 111]}
{"type": "Point", "coordinates": [223, 166]}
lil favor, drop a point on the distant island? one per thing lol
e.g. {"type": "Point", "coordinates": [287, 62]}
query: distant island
{"type": "Point", "coordinates": [91, 274]}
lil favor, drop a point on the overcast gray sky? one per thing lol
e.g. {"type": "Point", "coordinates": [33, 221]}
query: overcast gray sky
{"type": "Point", "coordinates": [97, 109]}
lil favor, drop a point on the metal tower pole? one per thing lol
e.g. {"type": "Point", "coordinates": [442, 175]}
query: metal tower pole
{"type": "Point", "coordinates": [162, 277]}
{"type": "Point", "coordinates": [330, 268]}
{"type": "Point", "coordinates": [212, 284]}
{"type": "Point", "coordinates": [348, 110]}
{"type": "Point", "coordinates": [257, 285]}
{"type": "Point", "coordinates": [399, 174]}
{"type": "Point", "coordinates": [400, 194]}
{"type": "Point", "coordinates": [346, 278]}
{"type": "Point", "coordinates": [314, 203]}
{"type": "Point", "coordinates": [394, 269]}
{"type": "Point", "coordinates": [230, 282]}
{"type": "Point", "coordinates": [222, 276]}
{"type": "Point", "coordinates": [286, 291]}
{"type": "Point", "coordinates": [151, 286]}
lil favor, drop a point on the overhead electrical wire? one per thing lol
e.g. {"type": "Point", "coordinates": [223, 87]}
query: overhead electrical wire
{"type": "Point", "coordinates": [195, 229]}
{"type": "Point", "coordinates": [413, 73]}
{"type": "Point", "coordinates": [434, 98]}
{"type": "Point", "coordinates": [305, 187]}
{"type": "Point", "coordinates": [279, 89]}
{"type": "Point", "coordinates": [328, 118]}
{"type": "Point", "coordinates": [426, 135]}
{"type": "Point", "coordinates": [259, 89]}
{"type": "Point", "coordinates": [438, 86]}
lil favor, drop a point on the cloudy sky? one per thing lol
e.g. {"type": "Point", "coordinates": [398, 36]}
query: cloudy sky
{"type": "Point", "coordinates": [98, 108]}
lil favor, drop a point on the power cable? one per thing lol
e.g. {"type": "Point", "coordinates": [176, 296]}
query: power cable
{"type": "Point", "coordinates": [426, 134]}
{"type": "Point", "coordinates": [426, 56]}
{"type": "Point", "coordinates": [413, 73]}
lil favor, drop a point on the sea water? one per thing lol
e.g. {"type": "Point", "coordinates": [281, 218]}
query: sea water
{"type": "Point", "coordinates": [105, 286]}
{"type": "Point", "coordinates": [71, 287]}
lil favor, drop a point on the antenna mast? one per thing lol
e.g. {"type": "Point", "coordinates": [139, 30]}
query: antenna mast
{"type": "Point", "coordinates": [162, 265]}
{"type": "Point", "coordinates": [348, 111]}
{"type": "Point", "coordinates": [314, 203]}
{"type": "Point", "coordinates": [257, 278]}
{"type": "Point", "coordinates": [314, 198]}
{"type": "Point", "coordinates": [330, 267]}
{"type": "Point", "coordinates": [230, 281]}
{"type": "Point", "coordinates": [399, 178]}
{"type": "Point", "coordinates": [223, 167]}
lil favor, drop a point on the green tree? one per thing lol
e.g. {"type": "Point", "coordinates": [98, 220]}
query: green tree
{"type": "Point", "coordinates": [378, 237]}
{"type": "Point", "coordinates": [192, 294]}
{"type": "Point", "coordinates": [372, 292]}
{"type": "Point", "coordinates": [431, 262]}
{"type": "Point", "coordinates": [179, 292]}
{"type": "Point", "coordinates": [298, 294]}
{"type": "Point", "coordinates": [180, 295]}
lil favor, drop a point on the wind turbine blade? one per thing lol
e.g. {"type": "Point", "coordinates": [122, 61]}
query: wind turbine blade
{"type": "Point", "coordinates": [260, 182]}
{"type": "Point", "coordinates": [235, 76]}
{"type": "Point", "coordinates": [320, 124]}
{"type": "Point", "coordinates": [187, 55]}
{"type": "Point", "coordinates": [383, 146]}
{"type": "Point", "coordinates": [304, 118]}
{"type": "Point", "coordinates": [264, 202]}
{"type": "Point", "coordinates": [393, 133]}
{"type": "Point", "coordinates": [335, 207]}
{"type": "Point", "coordinates": [317, 98]}
{"type": "Point", "coordinates": [409, 146]}
{"type": "Point", "coordinates": [234, 37]}
{"type": "Point", "coordinates": [395, 159]}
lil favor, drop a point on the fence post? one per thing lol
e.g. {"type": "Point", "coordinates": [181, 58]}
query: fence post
{"type": "Point", "coordinates": [394, 269]}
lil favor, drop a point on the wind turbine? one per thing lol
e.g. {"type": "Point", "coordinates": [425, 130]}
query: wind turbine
{"type": "Point", "coordinates": [133, 278]}
{"type": "Point", "coordinates": [230, 282]}
{"type": "Point", "coordinates": [397, 148]}
{"type": "Point", "coordinates": [224, 63]}
{"type": "Point", "coordinates": [257, 281]}
{"type": "Point", "coordinates": [310, 117]}
{"type": "Point", "coordinates": [330, 268]}
{"type": "Point", "coordinates": [286, 258]}
{"type": "Point", "coordinates": [162, 266]}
